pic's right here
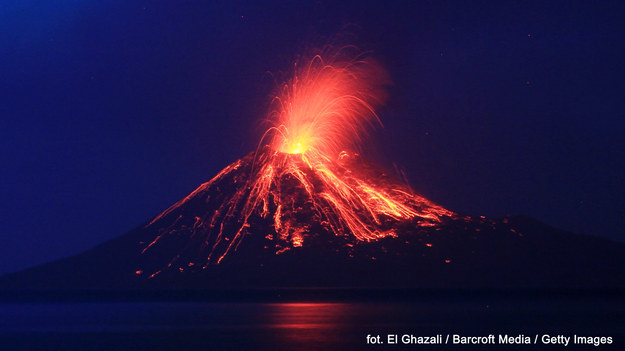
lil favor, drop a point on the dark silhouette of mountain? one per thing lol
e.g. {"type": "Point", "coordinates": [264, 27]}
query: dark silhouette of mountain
{"type": "Point", "coordinates": [226, 235]}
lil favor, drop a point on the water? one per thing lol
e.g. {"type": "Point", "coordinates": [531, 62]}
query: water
{"type": "Point", "coordinates": [301, 326]}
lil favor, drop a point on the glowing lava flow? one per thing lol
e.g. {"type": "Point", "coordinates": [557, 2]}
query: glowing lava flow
{"type": "Point", "coordinates": [309, 179]}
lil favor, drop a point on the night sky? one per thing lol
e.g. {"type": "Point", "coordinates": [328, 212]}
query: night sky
{"type": "Point", "coordinates": [110, 111]}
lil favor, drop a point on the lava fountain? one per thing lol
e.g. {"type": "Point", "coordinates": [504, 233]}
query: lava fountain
{"type": "Point", "coordinates": [305, 178]}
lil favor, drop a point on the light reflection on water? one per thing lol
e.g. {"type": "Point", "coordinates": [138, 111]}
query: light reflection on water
{"type": "Point", "coordinates": [286, 326]}
{"type": "Point", "coordinates": [307, 315]}
{"type": "Point", "coordinates": [311, 325]}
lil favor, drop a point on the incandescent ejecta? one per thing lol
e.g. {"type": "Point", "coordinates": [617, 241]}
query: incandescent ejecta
{"type": "Point", "coordinates": [306, 177]}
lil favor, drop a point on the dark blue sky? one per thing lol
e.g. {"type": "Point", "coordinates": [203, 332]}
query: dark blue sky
{"type": "Point", "coordinates": [112, 110]}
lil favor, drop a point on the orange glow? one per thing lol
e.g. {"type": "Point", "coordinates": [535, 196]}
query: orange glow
{"type": "Point", "coordinates": [310, 172]}
{"type": "Point", "coordinates": [328, 104]}
{"type": "Point", "coordinates": [285, 317]}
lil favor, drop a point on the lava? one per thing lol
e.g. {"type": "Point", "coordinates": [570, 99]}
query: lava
{"type": "Point", "coordinates": [308, 178]}
{"type": "Point", "coordinates": [328, 106]}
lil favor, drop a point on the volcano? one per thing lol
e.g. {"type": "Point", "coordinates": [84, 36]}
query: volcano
{"type": "Point", "coordinates": [306, 209]}
{"type": "Point", "coordinates": [284, 202]}
{"type": "Point", "coordinates": [295, 238]}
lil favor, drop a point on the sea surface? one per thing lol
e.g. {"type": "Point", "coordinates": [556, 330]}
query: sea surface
{"type": "Point", "coordinates": [314, 325]}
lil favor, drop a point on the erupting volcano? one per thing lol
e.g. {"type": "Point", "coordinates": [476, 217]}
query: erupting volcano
{"type": "Point", "coordinates": [306, 210]}
{"type": "Point", "coordinates": [309, 180]}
